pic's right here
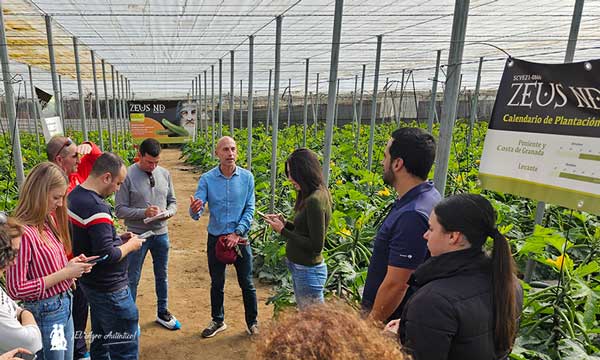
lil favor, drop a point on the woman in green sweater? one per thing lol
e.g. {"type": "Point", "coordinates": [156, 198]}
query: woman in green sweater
{"type": "Point", "coordinates": [306, 235]}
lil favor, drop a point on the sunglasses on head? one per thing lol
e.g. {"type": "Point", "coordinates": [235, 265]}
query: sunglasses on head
{"type": "Point", "coordinates": [68, 142]}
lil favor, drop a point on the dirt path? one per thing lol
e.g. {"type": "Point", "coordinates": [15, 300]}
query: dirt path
{"type": "Point", "coordinates": [189, 288]}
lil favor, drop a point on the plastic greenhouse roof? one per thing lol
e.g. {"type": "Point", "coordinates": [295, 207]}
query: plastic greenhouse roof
{"type": "Point", "coordinates": [161, 45]}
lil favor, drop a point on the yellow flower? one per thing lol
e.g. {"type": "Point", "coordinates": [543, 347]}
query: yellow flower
{"type": "Point", "coordinates": [339, 182]}
{"type": "Point", "coordinates": [346, 232]}
{"type": "Point", "coordinates": [359, 223]}
{"type": "Point", "coordinates": [384, 192]}
{"type": "Point", "coordinates": [331, 164]}
{"type": "Point", "coordinates": [562, 260]}
{"type": "Point", "coordinates": [459, 178]}
{"type": "Point", "coordinates": [477, 161]}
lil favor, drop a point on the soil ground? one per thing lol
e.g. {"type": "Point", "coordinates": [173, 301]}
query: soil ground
{"type": "Point", "coordinates": [189, 288]}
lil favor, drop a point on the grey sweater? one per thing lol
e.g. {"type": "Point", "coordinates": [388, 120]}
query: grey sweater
{"type": "Point", "coordinates": [136, 194]}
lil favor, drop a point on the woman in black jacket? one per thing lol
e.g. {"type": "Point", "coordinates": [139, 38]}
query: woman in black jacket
{"type": "Point", "coordinates": [467, 304]}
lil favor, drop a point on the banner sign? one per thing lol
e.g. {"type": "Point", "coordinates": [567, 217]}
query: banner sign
{"type": "Point", "coordinates": [543, 140]}
{"type": "Point", "coordinates": [51, 126]}
{"type": "Point", "coordinates": [169, 122]}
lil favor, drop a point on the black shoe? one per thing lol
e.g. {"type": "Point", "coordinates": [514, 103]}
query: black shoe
{"type": "Point", "coordinates": [213, 329]}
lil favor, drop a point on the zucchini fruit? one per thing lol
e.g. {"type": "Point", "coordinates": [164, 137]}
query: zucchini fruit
{"type": "Point", "coordinates": [179, 130]}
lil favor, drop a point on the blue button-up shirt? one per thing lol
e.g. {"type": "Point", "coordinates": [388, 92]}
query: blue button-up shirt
{"type": "Point", "coordinates": [231, 201]}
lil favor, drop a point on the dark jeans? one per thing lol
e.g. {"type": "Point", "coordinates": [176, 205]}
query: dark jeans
{"type": "Point", "coordinates": [158, 245]}
{"type": "Point", "coordinates": [243, 268]}
{"type": "Point", "coordinates": [114, 324]}
{"type": "Point", "coordinates": [80, 317]}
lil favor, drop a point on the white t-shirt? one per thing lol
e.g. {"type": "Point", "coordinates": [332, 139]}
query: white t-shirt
{"type": "Point", "coordinates": [12, 333]}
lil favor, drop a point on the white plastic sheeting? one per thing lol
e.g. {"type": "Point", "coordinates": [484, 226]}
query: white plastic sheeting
{"type": "Point", "coordinates": [161, 45]}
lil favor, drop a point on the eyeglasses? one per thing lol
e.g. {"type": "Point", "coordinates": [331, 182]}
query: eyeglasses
{"type": "Point", "coordinates": [151, 178]}
{"type": "Point", "coordinates": [68, 142]}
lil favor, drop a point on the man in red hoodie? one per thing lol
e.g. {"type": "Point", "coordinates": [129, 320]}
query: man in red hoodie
{"type": "Point", "coordinates": [65, 153]}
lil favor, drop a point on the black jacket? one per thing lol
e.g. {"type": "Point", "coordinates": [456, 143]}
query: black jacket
{"type": "Point", "coordinates": [451, 316]}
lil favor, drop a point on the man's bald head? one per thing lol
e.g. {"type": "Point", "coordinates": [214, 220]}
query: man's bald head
{"type": "Point", "coordinates": [225, 140]}
{"type": "Point", "coordinates": [62, 151]}
{"type": "Point", "coordinates": [226, 151]}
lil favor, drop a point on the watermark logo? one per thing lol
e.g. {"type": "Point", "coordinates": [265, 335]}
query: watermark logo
{"type": "Point", "coordinates": [57, 338]}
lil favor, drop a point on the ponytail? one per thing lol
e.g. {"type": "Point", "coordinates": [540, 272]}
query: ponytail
{"type": "Point", "coordinates": [475, 218]}
{"type": "Point", "coordinates": [505, 307]}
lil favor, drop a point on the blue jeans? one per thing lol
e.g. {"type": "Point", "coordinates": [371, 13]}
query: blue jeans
{"type": "Point", "coordinates": [243, 268]}
{"type": "Point", "coordinates": [159, 248]}
{"type": "Point", "coordinates": [114, 324]}
{"type": "Point", "coordinates": [308, 283]}
{"type": "Point", "coordinates": [54, 318]}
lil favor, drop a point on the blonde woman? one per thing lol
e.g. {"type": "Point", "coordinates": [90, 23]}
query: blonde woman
{"type": "Point", "coordinates": [42, 276]}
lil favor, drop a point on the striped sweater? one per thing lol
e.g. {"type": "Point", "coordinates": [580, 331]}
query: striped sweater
{"type": "Point", "coordinates": [37, 258]}
{"type": "Point", "coordinates": [93, 234]}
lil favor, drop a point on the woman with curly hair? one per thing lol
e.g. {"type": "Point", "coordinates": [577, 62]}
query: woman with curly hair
{"type": "Point", "coordinates": [325, 332]}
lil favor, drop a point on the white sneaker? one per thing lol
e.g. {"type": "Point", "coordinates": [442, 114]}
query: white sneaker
{"type": "Point", "coordinates": [169, 321]}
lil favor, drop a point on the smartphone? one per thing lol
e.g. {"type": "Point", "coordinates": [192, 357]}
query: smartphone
{"type": "Point", "coordinates": [146, 235]}
{"type": "Point", "coordinates": [22, 355]}
{"type": "Point", "coordinates": [261, 214]}
{"type": "Point", "coordinates": [97, 260]}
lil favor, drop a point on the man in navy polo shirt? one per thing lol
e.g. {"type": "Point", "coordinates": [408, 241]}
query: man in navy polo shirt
{"type": "Point", "coordinates": [399, 247]}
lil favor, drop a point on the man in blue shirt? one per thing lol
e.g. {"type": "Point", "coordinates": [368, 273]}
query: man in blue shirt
{"type": "Point", "coordinates": [229, 191]}
{"type": "Point", "coordinates": [399, 247]}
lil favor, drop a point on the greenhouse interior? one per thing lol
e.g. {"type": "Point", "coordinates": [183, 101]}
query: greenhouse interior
{"type": "Point", "coordinates": [345, 156]}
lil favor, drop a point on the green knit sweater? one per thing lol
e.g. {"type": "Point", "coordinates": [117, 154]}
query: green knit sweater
{"type": "Point", "coordinates": [306, 236]}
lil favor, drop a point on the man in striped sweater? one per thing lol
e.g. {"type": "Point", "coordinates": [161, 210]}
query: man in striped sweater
{"type": "Point", "coordinates": [113, 312]}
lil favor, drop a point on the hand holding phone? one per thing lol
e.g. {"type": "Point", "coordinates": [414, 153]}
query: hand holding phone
{"type": "Point", "coordinates": [98, 259]}
{"type": "Point", "coordinates": [146, 235]}
{"type": "Point", "coordinates": [261, 214]}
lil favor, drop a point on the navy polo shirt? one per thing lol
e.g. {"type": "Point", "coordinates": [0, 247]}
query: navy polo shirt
{"type": "Point", "coordinates": [399, 241]}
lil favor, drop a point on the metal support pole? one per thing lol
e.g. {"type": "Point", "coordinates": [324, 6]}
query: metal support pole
{"type": "Point", "coordinates": [354, 101]}
{"type": "Point", "coordinates": [231, 93]}
{"type": "Point", "coordinates": [61, 104]}
{"type": "Point", "coordinates": [9, 99]}
{"type": "Point", "coordinates": [275, 113]}
{"type": "Point", "coordinates": [241, 110]}
{"type": "Point", "coordinates": [570, 53]}
{"type": "Point", "coordinates": [29, 129]}
{"type": "Point", "coordinates": [432, 110]}
{"type": "Point", "coordinates": [98, 118]}
{"type": "Point", "coordinates": [337, 104]}
{"type": "Point", "coordinates": [457, 43]}
{"type": "Point", "coordinates": [212, 96]}
{"type": "Point", "coordinates": [53, 68]}
{"type": "Point", "coordinates": [124, 109]}
{"type": "Point", "coordinates": [360, 108]}
{"type": "Point", "coordinates": [474, 104]}
{"type": "Point", "coordinates": [269, 113]}
{"type": "Point", "coordinates": [374, 103]}
{"type": "Point", "coordinates": [317, 105]}
{"type": "Point", "coordinates": [119, 110]}
{"type": "Point", "coordinates": [385, 93]}
{"type": "Point", "coordinates": [398, 114]}
{"type": "Point", "coordinates": [305, 118]}
{"type": "Point", "coordinates": [194, 82]}
{"type": "Point", "coordinates": [205, 106]}
{"type": "Point", "coordinates": [114, 105]}
{"type": "Point", "coordinates": [199, 108]}
{"type": "Point", "coordinates": [107, 108]}
{"type": "Point", "coordinates": [250, 99]}
{"type": "Point", "coordinates": [289, 107]}
{"type": "Point", "coordinates": [80, 91]}
{"type": "Point", "coordinates": [220, 98]}
{"type": "Point", "coordinates": [36, 114]}
{"type": "Point", "coordinates": [333, 72]}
